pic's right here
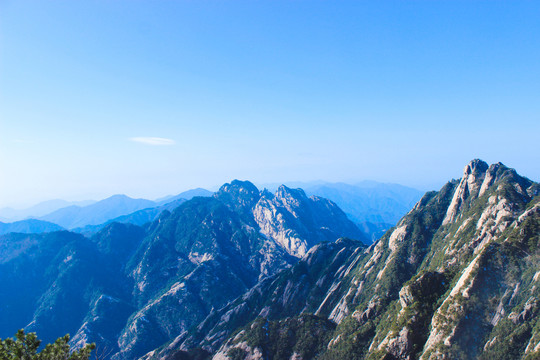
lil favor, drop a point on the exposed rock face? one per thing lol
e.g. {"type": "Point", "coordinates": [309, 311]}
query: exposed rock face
{"type": "Point", "coordinates": [302, 288]}
{"type": "Point", "coordinates": [132, 289]}
{"type": "Point", "coordinates": [468, 188]}
{"type": "Point", "coordinates": [214, 249]}
{"type": "Point", "coordinates": [244, 275]}
{"type": "Point", "coordinates": [457, 278]}
{"type": "Point", "coordinates": [297, 222]}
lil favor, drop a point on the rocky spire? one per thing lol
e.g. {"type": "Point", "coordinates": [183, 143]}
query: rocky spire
{"type": "Point", "coordinates": [469, 186]}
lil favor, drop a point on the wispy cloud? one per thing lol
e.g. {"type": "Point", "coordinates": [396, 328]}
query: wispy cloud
{"type": "Point", "coordinates": [22, 141]}
{"type": "Point", "coordinates": [156, 141]}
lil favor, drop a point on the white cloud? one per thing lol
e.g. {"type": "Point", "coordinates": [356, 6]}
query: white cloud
{"type": "Point", "coordinates": [156, 141]}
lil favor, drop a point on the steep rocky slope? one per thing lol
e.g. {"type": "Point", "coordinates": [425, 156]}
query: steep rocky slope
{"type": "Point", "coordinates": [50, 280]}
{"type": "Point", "coordinates": [304, 288]}
{"type": "Point", "coordinates": [131, 289]}
{"type": "Point", "coordinates": [211, 250]}
{"type": "Point", "coordinates": [297, 222]}
{"type": "Point", "coordinates": [457, 278]}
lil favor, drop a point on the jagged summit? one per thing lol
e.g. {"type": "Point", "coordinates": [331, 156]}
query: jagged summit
{"type": "Point", "coordinates": [475, 166]}
{"type": "Point", "coordinates": [239, 187]}
{"type": "Point", "coordinates": [239, 195]}
{"type": "Point", "coordinates": [143, 286]}
{"type": "Point", "coordinates": [251, 274]}
{"type": "Point", "coordinates": [457, 278]}
{"type": "Point", "coordinates": [287, 192]}
{"type": "Point", "coordinates": [478, 178]}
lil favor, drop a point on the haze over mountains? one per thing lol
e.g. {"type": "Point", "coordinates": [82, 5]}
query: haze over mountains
{"type": "Point", "coordinates": [373, 206]}
{"type": "Point", "coordinates": [38, 210]}
{"type": "Point", "coordinates": [254, 274]}
{"type": "Point", "coordinates": [203, 254]}
{"type": "Point", "coordinates": [91, 216]}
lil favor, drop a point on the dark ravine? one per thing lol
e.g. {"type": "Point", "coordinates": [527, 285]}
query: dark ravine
{"type": "Point", "coordinates": [133, 288]}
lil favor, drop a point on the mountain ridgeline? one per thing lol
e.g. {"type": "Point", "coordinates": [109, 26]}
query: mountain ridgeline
{"type": "Point", "coordinates": [133, 288]}
{"type": "Point", "coordinates": [89, 216]}
{"type": "Point", "coordinates": [457, 278]}
{"type": "Point", "coordinates": [249, 274]}
{"type": "Point", "coordinates": [374, 207]}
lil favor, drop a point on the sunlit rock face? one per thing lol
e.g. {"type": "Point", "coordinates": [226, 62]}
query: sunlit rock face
{"type": "Point", "coordinates": [133, 288]}
{"type": "Point", "coordinates": [253, 274]}
{"type": "Point", "coordinates": [296, 222]}
{"type": "Point", "coordinates": [457, 278]}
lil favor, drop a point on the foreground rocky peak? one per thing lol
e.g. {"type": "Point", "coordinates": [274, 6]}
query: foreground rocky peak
{"type": "Point", "coordinates": [478, 178]}
{"type": "Point", "coordinates": [457, 278]}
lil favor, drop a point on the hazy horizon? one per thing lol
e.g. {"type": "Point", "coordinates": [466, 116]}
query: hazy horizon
{"type": "Point", "coordinates": [83, 201]}
{"type": "Point", "coordinates": [150, 99]}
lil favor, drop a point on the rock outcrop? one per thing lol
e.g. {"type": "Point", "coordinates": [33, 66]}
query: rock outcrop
{"type": "Point", "coordinates": [457, 278]}
{"type": "Point", "coordinates": [132, 289]}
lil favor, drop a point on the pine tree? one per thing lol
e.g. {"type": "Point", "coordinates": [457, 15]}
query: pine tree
{"type": "Point", "coordinates": [25, 347]}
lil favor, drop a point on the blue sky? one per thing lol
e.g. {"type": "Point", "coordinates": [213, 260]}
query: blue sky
{"type": "Point", "coordinates": [150, 98]}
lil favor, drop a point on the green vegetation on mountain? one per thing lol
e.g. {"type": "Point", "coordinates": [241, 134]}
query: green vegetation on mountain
{"type": "Point", "coordinates": [131, 289]}
{"type": "Point", "coordinates": [302, 337]}
{"type": "Point", "coordinates": [248, 274]}
{"type": "Point", "coordinates": [457, 278]}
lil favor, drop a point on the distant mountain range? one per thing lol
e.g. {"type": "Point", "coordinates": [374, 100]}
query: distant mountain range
{"type": "Point", "coordinates": [91, 215]}
{"type": "Point", "coordinates": [139, 217]}
{"type": "Point", "coordinates": [374, 207]}
{"type": "Point", "coordinates": [75, 216]}
{"type": "Point", "coordinates": [369, 201]}
{"type": "Point", "coordinates": [250, 274]}
{"type": "Point", "coordinates": [132, 288]}
{"type": "Point", "coordinates": [38, 210]}
{"type": "Point", "coordinates": [30, 226]}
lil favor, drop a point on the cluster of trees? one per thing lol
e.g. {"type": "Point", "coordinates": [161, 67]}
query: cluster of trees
{"type": "Point", "coordinates": [26, 347]}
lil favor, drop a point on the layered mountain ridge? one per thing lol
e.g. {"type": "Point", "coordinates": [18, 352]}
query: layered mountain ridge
{"type": "Point", "coordinates": [130, 289]}
{"type": "Point", "coordinates": [374, 207]}
{"type": "Point", "coordinates": [423, 291]}
{"type": "Point", "coordinates": [249, 274]}
{"type": "Point", "coordinates": [457, 278]}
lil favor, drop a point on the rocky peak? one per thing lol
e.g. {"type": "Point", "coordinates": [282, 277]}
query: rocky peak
{"type": "Point", "coordinates": [475, 167]}
{"type": "Point", "coordinates": [478, 178]}
{"type": "Point", "coordinates": [294, 200]}
{"type": "Point", "coordinates": [470, 186]}
{"type": "Point", "coordinates": [238, 194]}
{"type": "Point", "coordinates": [474, 174]}
{"type": "Point", "coordinates": [285, 193]}
{"type": "Point", "coordinates": [296, 222]}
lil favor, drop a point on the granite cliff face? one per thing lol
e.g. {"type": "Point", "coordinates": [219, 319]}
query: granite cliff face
{"type": "Point", "coordinates": [132, 289]}
{"type": "Point", "coordinates": [297, 222]}
{"type": "Point", "coordinates": [211, 250]}
{"type": "Point", "coordinates": [457, 278]}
